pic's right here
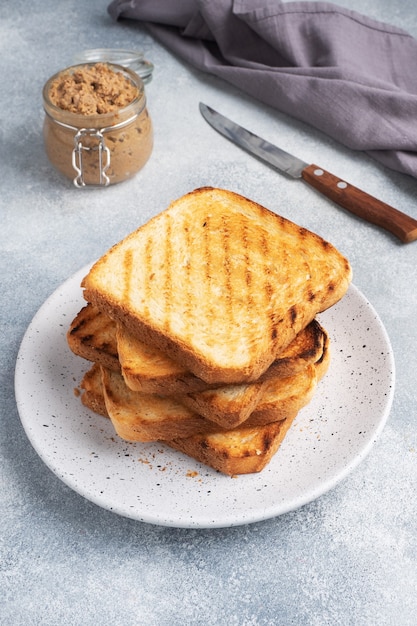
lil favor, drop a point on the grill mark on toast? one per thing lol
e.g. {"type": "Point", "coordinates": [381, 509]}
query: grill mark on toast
{"type": "Point", "coordinates": [267, 285]}
{"type": "Point", "coordinates": [93, 340]}
{"type": "Point", "coordinates": [248, 267]}
{"type": "Point", "coordinates": [249, 270]}
{"type": "Point", "coordinates": [148, 264]}
{"type": "Point", "coordinates": [168, 287]}
{"type": "Point", "coordinates": [78, 328]}
{"type": "Point", "coordinates": [208, 277]}
{"type": "Point", "coordinates": [218, 268]}
{"type": "Point", "coordinates": [127, 271]}
{"type": "Point", "coordinates": [227, 270]}
{"type": "Point", "coordinates": [248, 273]}
{"type": "Point", "coordinates": [187, 279]}
{"type": "Point", "coordinates": [268, 289]}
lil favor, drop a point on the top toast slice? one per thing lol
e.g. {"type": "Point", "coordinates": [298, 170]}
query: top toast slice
{"type": "Point", "coordinates": [219, 283]}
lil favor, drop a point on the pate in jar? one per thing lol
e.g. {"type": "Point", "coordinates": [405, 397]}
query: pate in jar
{"type": "Point", "coordinates": [97, 130]}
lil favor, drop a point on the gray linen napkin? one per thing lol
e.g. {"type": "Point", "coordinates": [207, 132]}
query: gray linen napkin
{"type": "Point", "coordinates": [348, 75]}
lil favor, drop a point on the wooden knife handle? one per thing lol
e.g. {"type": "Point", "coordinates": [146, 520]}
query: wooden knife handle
{"type": "Point", "coordinates": [362, 204]}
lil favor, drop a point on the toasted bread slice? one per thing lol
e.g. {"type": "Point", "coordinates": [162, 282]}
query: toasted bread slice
{"type": "Point", "coordinates": [240, 451]}
{"type": "Point", "coordinates": [283, 396]}
{"type": "Point", "coordinates": [219, 283]}
{"type": "Point", "coordinates": [272, 400]}
{"type": "Point", "coordinates": [231, 405]}
{"type": "Point", "coordinates": [244, 450]}
{"type": "Point", "coordinates": [146, 417]}
{"type": "Point", "coordinates": [149, 370]}
{"type": "Point", "coordinates": [92, 336]}
{"type": "Point", "coordinates": [249, 448]}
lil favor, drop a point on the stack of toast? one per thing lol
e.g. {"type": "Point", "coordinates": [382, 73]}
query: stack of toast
{"type": "Point", "coordinates": [202, 332]}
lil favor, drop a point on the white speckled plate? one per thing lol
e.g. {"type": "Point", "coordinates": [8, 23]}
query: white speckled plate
{"type": "Point", "coordinates": [150, 482]}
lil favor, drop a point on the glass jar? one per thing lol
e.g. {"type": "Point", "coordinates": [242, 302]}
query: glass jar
{"type": "Point", "coordinates": [103, 148]}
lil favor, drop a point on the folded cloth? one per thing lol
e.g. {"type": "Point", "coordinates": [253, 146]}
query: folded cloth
{"type": "Point", "coordinates": [350, 76]}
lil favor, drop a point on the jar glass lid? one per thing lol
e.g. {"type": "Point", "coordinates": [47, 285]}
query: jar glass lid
{"type": "Point", "coordinates": [132, 59]}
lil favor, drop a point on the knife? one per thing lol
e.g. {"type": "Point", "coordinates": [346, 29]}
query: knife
{"type": "Point", "coordinates": [347, 196]}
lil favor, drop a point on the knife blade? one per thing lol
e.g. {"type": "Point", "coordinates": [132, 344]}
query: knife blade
{"type": "Point", "coordinates": [336, 189]}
